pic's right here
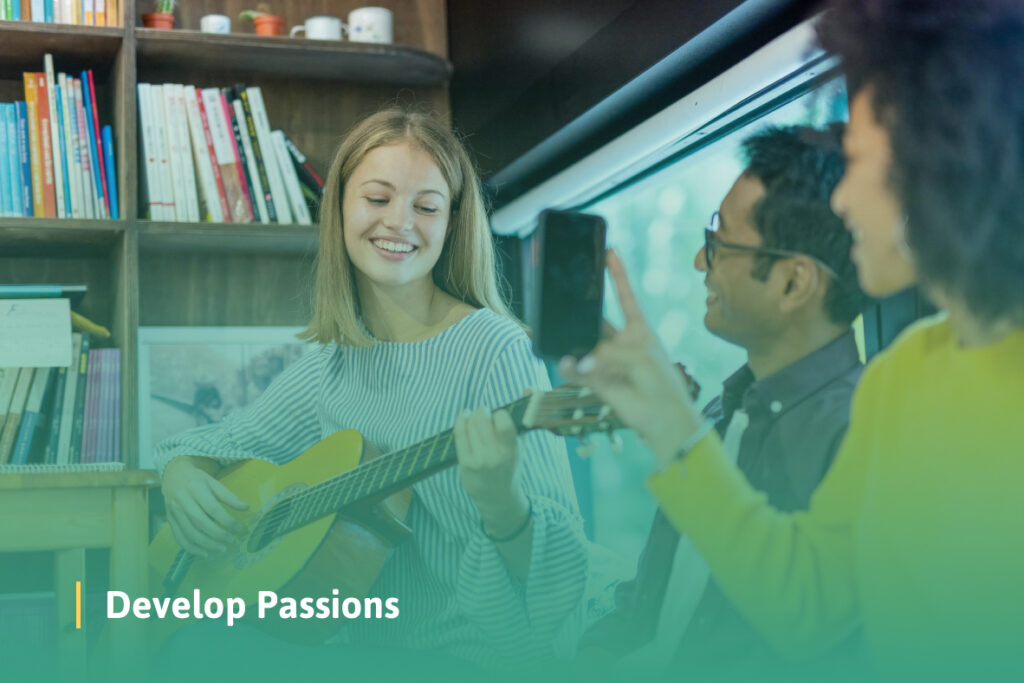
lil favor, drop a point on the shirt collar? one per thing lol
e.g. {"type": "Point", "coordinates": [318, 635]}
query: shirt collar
{"type": "Point", "coordinates": [790, 385]}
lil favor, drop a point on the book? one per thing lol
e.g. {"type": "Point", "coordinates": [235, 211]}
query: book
{"type": "Point", "coordinates": [72, 158]}
{"type": "Point", "coordinates": [14, 410]}
{"type": "Point", "coordinates": [63, 453]}
{"type": "Point", "coordinates": [24, 158]}
{"type": "Point", "coordinates": [215, 163]}
{"type": "Point", "coordinates": [180, 124]}
{"type": "Point", "coordinates": [169, 208]}
{"type": "Point", "coordinates": [55, 133]}
{"type": "Point", "coordinates": [46, 147]}
{"type": "Point", "coordinates": [13, 159]}
{"type": "Point", "coordinates": [225, 156]}
{"type": "Point", "coordinates": [203, 161]}
{"type": "Point", "coordinates": [291, 179]}
{"type": "Point", "coordinates": [88, 185]}
{"type": "Point", "coordinates": [60, 385]}
{"type": "Point", "coordinates": [35, 150]}
{"type": "Point", "coordinates": [108, 156]}
{"type": "Point", "coordinates": [303, 167]}
{"type": "Point", "coordinates": [6, 200]}
{"type": "Point", "coordinates": [231, 132]}
{"type": "Point", "coordinates": [147, 150]}
{"type": "Point", "coordinates": [259, 115]}
{"type": "Point", "coordinates": [64, 150]}
{"type": "Point", "coordinates": [28, 432]}
{"type": "Point", "coordinates": [78, 412]}
{"type": "Point", "coordinates": [92, 133]}
{"type": "Point", "coordinates": [175, 158]}
{"type": "Point", "coordinates": [102, 188]}
{"type": "Point", "coordinates": [258, 152]}
{"type": "Point", "coordinates": [44, 291]}
{"type": "Point", "coordinates": [255, 186]}
{"type": "Point", "coordinates": [8, 381]}
{"type": "Point", "coordinates": [90, 420]}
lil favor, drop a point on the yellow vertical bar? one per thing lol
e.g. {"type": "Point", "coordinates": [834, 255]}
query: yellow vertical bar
{"type": "Point", "coordinates": [78, 605]}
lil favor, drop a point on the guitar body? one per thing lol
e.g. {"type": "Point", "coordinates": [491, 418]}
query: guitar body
{"type": "Point", "coordinates": [344, 550]}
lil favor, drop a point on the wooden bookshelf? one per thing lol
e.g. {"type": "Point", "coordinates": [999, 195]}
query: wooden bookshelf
{"type": "Point", "coordinates": [143, 272]}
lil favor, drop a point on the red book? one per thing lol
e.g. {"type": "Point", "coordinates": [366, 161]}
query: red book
{"type": "Point", "coordinates": [99, 142]}
{"type": "Point", "coordinates": [208, 136]}
{"type": "Point", "coordinates": [46, 146]}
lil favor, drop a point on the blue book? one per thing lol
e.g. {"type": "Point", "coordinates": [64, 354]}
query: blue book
{"type": "Point", "coordinates": [63, 152]}
{"type": "Point", "coordinates": [108, 159]}
{"type": "Point", "coordinates": [28, 430]}
{"type": "Point", "coordinates": [24, 156]}
{"type": "Point", "coordinates": [94, 149]}
{"type": "Point", "coordinates": [13, 159]}
{"type": "Point", "coordinates": [48, 11]}
{"type": "Point", "coordinates": [15, 11]}
{"type": "Point", "coordinates": [6, 201]}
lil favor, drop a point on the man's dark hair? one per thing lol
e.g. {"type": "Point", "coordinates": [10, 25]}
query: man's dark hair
{"type": "Point", "coordinates": [799, 167]}
{"type": "Point", "coordinates": [948, 85]}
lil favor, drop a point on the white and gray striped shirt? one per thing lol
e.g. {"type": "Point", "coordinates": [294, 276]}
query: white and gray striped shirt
{"type": "Point", "coordinates": [455, 593]}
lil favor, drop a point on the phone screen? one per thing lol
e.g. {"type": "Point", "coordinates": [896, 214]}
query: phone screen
{"type": "Point", "coordinates": [569, 279]}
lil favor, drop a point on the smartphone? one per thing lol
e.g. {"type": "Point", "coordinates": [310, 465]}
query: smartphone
{"type": "Point", "coordinates": [568, 281]}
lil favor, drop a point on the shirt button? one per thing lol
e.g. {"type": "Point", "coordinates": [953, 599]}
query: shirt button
{"type": "Point", "coordinates": [776, 406]}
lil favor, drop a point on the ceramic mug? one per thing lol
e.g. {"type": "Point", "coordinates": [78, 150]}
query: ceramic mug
{"type": "Point", "coordinates": [215, 23]}
{"type": "Point", "coordinates": [370, 25]}
{"type": "Point", "coordinates": [320, 28]}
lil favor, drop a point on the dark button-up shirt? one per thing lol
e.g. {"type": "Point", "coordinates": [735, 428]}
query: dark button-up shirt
{"type": "Point", "coordinates": [797, 419]}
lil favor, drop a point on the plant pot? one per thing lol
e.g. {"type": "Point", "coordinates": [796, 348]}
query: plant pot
{"type": "Point", "coordinates": [269, 25]}
{"type": "Point", "coordinates": [158, 20]}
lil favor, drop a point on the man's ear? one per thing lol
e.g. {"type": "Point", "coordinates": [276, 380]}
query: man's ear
{"type": "Point", "coordinates": [802, 281]}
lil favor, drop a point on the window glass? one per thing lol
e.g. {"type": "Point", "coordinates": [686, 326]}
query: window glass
{"type": "Point", "coordinates": [656, 226]}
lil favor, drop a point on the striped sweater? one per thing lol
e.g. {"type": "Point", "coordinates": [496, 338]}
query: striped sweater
{"type": "Point", "coordinates": [455, 593]}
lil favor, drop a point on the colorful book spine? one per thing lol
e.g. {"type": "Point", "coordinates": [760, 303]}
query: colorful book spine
{"type": "Point", "coordinates": [250, 162]}
{"type": "Point", "coordinates": [88, 191]}
{"type": "Point", "coordinates": [64, 148]}
{"type": "Point", "coordinates": [102, 185]}
{"type": "Point", "coordinates": [78, 419]}
{"type": "Point", "coordinates": [55, 132]}
{"type": "Point", "coordinates": [90, 423]}
{"type": "Point", "coordinates": [35, 146]}
{"type": "Point", "coordinates": [258, 152]}
{"type": "Point", "coordinates": [46, 145]}
{"type": "Point", "coordinates": [6, 199]}
{"type": "Point", "coordinates": [24, 159]}
{"type": "Point", "coordinates": [28, 432]}
{"type": "Point", "coordinates": [48, 11]}
{"type": "Point", "coordinates": [38, 12]}
{"type": "Point", "coordinates": [231, 131]}
{"type": "Point", "coordinates": [222, 197]}
{"type": "Point", "coordinates": [92, 125]}
{"type": "Point", "coordinates": [108, 165]}
{"type": "Point", "coordinates": [204, 165]}
{"type": "Point", "coordinates": [73, 165]}
{"type": "Point", "coordinates": [14, 412]}
{"type": "Point", "coordinates": [259, 115]}
{"type": "Point", "coordinates": [13, 159]}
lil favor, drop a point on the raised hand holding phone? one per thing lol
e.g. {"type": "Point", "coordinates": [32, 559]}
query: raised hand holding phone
{"type": "Point", "coordinates": [631, 371]}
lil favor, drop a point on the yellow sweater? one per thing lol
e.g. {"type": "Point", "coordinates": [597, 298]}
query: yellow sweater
{"type": "Point", "coordinates": [917, 531]}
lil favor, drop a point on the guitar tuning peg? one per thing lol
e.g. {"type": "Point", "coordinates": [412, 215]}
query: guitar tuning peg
{"type": "Point", "coordinates": [615, 441]}
{"type": "Point", "coordinates": [585, 448]}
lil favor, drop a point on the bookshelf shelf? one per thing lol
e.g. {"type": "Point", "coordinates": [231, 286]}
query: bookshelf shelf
{"type": "Point", "coordinates": [23, 44]}
{"type": "Point", "coordinates": [226, 237]}
{"type": "Point", "coordinates": [294, 57]}
{"type": "Point", "coordinates": [41, 234]}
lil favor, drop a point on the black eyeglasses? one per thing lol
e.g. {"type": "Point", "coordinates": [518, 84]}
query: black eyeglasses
{"type": "Point", "coordinates": [711, 243]}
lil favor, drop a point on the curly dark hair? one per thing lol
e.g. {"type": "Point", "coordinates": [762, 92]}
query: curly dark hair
{"type": "Point", "coordinates": [799, 167]}
{"type": "Point", "coordinates": [948, 85]}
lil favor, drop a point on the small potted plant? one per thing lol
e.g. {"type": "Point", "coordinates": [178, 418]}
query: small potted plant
{"type": "Point", "coordinates": [162, 17]}
{"type": "Point", "coordinates": [267, 24]}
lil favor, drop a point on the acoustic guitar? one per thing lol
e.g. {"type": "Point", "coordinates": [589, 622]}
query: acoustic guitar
{"type": "Point", "coordinates": [329, 518]}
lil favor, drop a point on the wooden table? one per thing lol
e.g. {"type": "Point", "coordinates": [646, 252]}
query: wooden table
{"type": "Point", "coordinates": [67, 513]}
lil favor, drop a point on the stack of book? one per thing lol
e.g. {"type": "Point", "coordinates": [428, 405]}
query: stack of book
{"type": "Point", "coordinates": [210, 154]}
{"type": "Point", "coordinates": [62, 417]}
{"type": "Point", "coordinates": [78, 12]}
{"type": "Point", "coordinates": [55, 160]}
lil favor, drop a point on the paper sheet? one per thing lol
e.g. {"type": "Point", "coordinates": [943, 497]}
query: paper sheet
{"type": "Point", "coordinates": [35, 333]}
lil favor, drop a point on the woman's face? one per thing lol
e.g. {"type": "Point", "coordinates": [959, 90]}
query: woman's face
{"type": "Point", "coordinates": [395, 213]}
{"type": "Point", "coordinates": [865, 201]}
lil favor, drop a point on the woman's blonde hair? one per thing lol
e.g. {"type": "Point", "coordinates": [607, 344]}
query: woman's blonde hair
{"type": "Point", "coordinates": [466, 268]}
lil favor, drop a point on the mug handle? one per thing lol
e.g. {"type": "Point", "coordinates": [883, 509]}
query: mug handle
{"type": "Point", "coordinates": [296, 29]}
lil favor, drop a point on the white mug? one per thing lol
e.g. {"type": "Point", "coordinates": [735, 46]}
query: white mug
{"type": "Point", "coordinates": [370, 25]}
{"type": "Point", "coordinates": [215, 23]}
{"type": "Point", "coordinates": [320, 28]}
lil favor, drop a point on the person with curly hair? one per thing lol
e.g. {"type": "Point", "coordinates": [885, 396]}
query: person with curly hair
{"type": "Point", "coordinates": [915, 535]}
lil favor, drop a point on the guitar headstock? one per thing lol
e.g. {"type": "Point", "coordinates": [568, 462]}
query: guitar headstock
{"type": "Point", "coordinates": [577, 411]}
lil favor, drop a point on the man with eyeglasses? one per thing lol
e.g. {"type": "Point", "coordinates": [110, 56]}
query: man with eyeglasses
{"type": "Point", "coordinates": [781, 285]}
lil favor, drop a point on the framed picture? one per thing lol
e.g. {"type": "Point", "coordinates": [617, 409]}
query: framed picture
{"type": "Point", "coordinates": [193, 376]}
